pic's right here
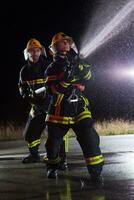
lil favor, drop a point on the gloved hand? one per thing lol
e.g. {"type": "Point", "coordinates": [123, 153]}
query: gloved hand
{"type": "Point", "coordinates": [73, 57]}
{"type": "Point", "coordinates": [32, 94]}
{"type": "Point", "coordinates": [70, 65]}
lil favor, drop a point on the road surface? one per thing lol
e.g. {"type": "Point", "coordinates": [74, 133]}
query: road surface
{"type": "Point", "coordinates": [19, 181]}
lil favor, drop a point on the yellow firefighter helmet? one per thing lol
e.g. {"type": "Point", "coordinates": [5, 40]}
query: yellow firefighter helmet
{"type": "Point", "coordinates": [34, 43]}
{"type": "Point", "coordinates": [59, 37]}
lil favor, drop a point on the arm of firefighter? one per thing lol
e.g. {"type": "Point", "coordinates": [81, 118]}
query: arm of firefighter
{"type": "Point", "coordinates": [81, 70]}
{"type": "Point", "coordinates": [23, 89]}
{"type": "Point", "coordinates": [22, 84]}
{"type": "Point", "coordinates": [59, 78]}
{"type": "Point", "coordinates": [69, 75]}
{"type": "Point", "coordinates": [51, 79]}
{"type": "Point", "coordinates": [84, 71]}
{"type": "Point", "coordinates": [54, 75]}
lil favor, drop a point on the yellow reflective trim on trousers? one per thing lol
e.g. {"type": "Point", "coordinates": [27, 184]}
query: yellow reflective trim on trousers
{"type": "Point", "coordinates": [64, 84]}
{"type": "Point", "coordinates": [87, 76]}
{"type": "Point", "coordinates": [34, 143]}
{"type": "Point", "coordinates": [84, 114]}
{"type": "Point", "coordinates": [36, 81]}
{"type": "Point", "coordinates": [66, 143]}
{"type": "Point", "coordinates": [59, 119]}
{"type": "Point", "coordinates": [54, 161]}
{"type": "Point", "coordinates": [94, 160]}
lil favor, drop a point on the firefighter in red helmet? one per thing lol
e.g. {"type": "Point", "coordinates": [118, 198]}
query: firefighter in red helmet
{"type": "Point", "coordinates": [31, 78]}
{"type": "Point", "coordinates": [66, 77]}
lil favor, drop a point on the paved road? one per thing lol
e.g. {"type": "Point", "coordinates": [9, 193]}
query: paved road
{"type": "Point", "coordinates": [19, 181]}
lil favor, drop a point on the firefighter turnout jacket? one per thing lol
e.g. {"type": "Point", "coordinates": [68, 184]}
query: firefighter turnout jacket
{"type": "Point", "coordinates": [31, 77]}
{"type": "Point", "coordinates": [66, 77]}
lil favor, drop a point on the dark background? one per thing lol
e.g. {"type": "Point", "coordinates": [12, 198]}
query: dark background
{"type": "Point", "coordinates": [109, 97]}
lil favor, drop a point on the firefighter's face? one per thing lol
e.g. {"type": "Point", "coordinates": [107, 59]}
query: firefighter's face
{"type": "Point", "coordinates": [63, 46]}
{"type": "Point", "coordinates": [34, 54]}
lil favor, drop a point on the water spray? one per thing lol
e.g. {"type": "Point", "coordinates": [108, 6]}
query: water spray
{"type": "Point", "coordinates": [121, 72]}
{"type": "Point", "coordinates": [105, 33]}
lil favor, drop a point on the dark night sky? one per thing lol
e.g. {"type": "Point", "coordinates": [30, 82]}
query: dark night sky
{"type": "Point", "coordinates": [110, 97]}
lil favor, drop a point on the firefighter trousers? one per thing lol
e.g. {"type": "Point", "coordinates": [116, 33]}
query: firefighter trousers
{"type": "Point", "coordinates": [32, 134]}
{"type": "Point", "coordinates": [86, 136]}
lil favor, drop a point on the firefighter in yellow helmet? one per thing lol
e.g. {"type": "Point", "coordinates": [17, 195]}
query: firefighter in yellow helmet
{"type": "Point", "coordinates": [69, 108]}
{"type": "Point", "coordinates": [31, 78]}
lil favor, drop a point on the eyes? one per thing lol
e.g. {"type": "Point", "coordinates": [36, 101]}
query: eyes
{"type": "Point", "coordinates": [63, 42]}
{"type": "Point", "coordinates": [34, 50]}
{"type": "Point", "coordinates": [66, 42]}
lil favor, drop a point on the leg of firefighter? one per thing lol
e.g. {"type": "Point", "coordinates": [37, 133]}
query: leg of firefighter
{"type": "Point", "coordinates": [89, 142]}
{"type": "Point", "coordinates": [54, 140]}
{"type": "Point", "coordinates": [62, 153]}
{"type": "Point", "coordinates": [32, 133]}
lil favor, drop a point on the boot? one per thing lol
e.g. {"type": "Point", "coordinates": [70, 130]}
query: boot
{"type": "Point", "coordinates": [63, 164]}
{"type": "Point", "coordinates": [33, 157]}
{"type": "Point", "coordinates": [52, 173]}
{"type": "Point", "coordinates": [97, 181]}
{"type": "Point", "coordinates": [52, 170]}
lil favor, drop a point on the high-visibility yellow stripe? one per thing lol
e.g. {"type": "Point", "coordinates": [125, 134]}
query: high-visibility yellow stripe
{"type": "Point", "coordinates": [32, 82]}
{"type": "Point", "coordinates": [45, 158]}
{"type": "Point", "coordinates": [83, 117]}
{"type": "Point", "coordinates": [94, 160]}
{"type": "Point", "coordinates": [55, 161]}
{"type": "Point", "coordinates": [64, 84]}
{"type": "Point", "coordinates": [87, 76]}
{"type": "Point", "coordinates": [84, 114]}
{"type": "Point", "coordinates": [85, 100]}
{"type": "Point", "coordinates": [68, 120]}
{"type": "Point", "coordinates": [60, 119]}
{"type": "Point", "coordinates": [81, 67]}
{"type": "Point", "coordinates": [34, 143]}
{"type": "Point", "coordinates": [74, 80]}
{"type": "Point", "coordinates": [59, 98]}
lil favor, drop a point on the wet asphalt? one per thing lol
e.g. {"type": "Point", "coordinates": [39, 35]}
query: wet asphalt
{"type": "Point", "coordinates": [28, 181]}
